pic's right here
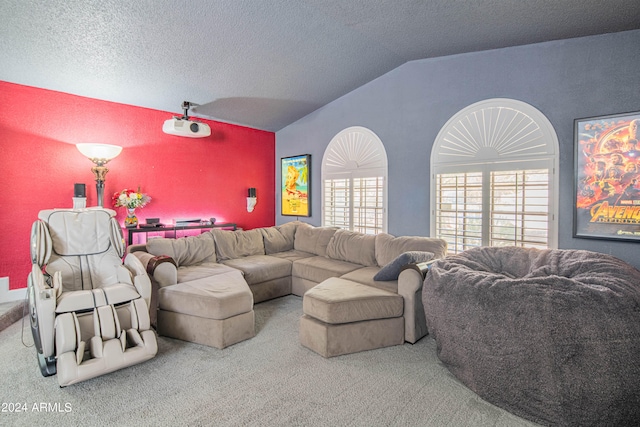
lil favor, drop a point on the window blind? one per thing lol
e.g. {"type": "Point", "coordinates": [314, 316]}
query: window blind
{"type": "Point", "coordinates": [498, 208]}
{"type": "Point", "coordinates": [459, 210]}
{"type": "Point", "coordinates": [368, 208]}
{"type": "Point", "coordinates": [337, 202]}
{"type": "Point", "coordinates": [520, 208]}
{"type": "Point", "coordinates": [355, 204]}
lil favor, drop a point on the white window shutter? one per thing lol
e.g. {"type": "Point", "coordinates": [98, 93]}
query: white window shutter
{"type": "Point", "coordinates": [354, 176]}
{"type": "Point", "coordinates": [494, 180]}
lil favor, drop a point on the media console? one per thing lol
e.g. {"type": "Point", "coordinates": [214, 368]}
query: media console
{"type": "Point", "coordinates": [170, 231]}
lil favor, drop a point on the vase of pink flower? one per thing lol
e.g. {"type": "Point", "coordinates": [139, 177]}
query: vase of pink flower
{"type": "Point", "coordinates": [131, 200]}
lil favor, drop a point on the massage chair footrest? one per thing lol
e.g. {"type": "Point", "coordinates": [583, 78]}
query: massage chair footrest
{"type": "Point", "coordinates": [110, 348]}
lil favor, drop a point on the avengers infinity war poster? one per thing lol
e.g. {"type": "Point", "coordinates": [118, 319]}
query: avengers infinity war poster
{"type": "Point", "coordinates": [607, 163]}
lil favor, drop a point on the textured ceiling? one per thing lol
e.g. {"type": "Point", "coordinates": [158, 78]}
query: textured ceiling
{"type": "Point", "coordinates": [265, 63]}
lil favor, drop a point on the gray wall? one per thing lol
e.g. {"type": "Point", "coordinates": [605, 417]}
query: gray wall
{"type": "Point", "coordinates": [408, 106]}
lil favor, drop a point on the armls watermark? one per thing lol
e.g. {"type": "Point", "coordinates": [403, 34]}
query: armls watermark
{"type": "Point", "coordinates": [44, 407]}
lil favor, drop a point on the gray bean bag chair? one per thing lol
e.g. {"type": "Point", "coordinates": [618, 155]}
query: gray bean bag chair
{"type": "Point", "coordinates": [549, 335]}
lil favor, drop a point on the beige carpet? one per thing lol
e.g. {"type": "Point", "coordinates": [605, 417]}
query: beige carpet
{"type": "Point", "coordinates": [270, 380]}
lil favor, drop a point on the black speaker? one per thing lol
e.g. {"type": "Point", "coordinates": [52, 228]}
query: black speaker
{"type": "Point", "coordinates": [79, 190]}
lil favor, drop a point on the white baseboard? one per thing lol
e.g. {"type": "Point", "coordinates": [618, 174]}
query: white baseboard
{"type": "Point", "coordinates": [9, 295]}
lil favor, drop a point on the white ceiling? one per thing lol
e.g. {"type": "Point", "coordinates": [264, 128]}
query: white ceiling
{"type": "Point", "coordinates": [265, 63]}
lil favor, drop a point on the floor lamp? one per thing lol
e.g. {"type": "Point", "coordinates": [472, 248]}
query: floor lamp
{"type": "Point", "coordinates": [100, 154]}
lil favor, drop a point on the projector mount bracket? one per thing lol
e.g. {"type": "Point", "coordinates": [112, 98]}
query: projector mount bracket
{"type": "Point", "coordinates": [185, 107]}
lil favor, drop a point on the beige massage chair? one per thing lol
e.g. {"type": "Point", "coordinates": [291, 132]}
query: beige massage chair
{"type": "Point", "coordinates": [89, 311]}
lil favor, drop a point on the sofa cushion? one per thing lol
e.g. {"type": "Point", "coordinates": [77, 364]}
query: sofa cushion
{"type": "Point", "coordinates": [389, 247]}
{"type": "Point", "coordinates": [313, 239]}
{"type": "Point", "coordinates": [331, 340]}
{"type": "Point", "coordinates": [280, 238]}
{"type": "Point", "coordinates": [260, 268]}
{"type": "Point", "coordinates": [200, 271]}
{"type": "Point", "coordinates": [365, 276]}
{"type": "Point", "coordinates": [237, 244]}
{"type": "Point", "coordinates": [292, 255]}
{"type": "Point", "coordinates": [338, 301]}
{"type": "Point", "coordinates": [391, 271]}
{"type": "Point", "coordinates": [186, 251]}
{"type": "Point", "coordinates": [354, 247]}
{"type": "Point", "coordinates": [319, 268]}
{"type": "Point", "coordinates": [226, 296]}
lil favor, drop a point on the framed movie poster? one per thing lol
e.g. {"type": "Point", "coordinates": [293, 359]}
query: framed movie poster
{"type": "Point", "coordinates": [296, 185]}
{"type": "Point", "coordinates": [607, 173]}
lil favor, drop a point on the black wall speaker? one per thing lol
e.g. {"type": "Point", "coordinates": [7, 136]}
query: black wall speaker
{"type": "Point", "coordinates": [79, 190]}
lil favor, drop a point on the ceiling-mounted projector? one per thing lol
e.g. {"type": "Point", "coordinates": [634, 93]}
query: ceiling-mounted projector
{"type": "Point", "coordinates": [182, 126]}
{"type": "Point", "coordinates": [188, 128]}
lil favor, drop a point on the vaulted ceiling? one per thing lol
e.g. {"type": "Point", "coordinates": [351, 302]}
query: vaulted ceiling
{"type": "Point", "coordinates": [265, 63]}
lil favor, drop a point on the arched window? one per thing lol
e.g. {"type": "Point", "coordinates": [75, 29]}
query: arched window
{"type": "Point", "coordinates": [354, 182]}
{"type": "Point", "coordinates": [493, 177]}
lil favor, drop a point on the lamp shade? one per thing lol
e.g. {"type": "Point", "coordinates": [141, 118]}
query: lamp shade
{"type": "Point", "coordinates": [104, 152]}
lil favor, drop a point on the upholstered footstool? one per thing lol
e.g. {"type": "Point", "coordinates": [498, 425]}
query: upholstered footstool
{"type": "Point", "coordinates": [342, 317]}
{"type": "Point", "coordinates": [216, 311]}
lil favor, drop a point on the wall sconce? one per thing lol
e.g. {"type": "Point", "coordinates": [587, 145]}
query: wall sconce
{"type": "Point", "coordinates": [100, 154]}
{"type": "Point", "coordinates": [252, 200]}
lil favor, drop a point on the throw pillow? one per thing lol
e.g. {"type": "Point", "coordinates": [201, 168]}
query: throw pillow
{"type": "Point", "coordinates": [391, 271]}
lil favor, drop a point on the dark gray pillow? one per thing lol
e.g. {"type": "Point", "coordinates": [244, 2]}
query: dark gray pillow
{"type": "Point", "coordinates": [391, 271]}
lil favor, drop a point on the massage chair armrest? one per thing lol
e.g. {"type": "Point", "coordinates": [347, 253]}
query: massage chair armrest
{"type": "Point", "coordinates": [141, 281]}
{"type": "Point", "coordinates": [42, 310]}
{"type": "Point", "coordinates": [410, 283]}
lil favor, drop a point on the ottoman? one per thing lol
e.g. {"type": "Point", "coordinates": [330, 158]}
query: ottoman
{"type": "Point", "coordinates": [342, 317]}
{"type": "Point", "coordinates": [216, 311]}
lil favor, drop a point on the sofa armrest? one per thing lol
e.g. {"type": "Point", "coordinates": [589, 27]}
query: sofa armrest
{"type": "Point", "coordinates": [141, 247]}
{"type": "Point", "coordinates": [162, 269]}
{"type": "Point", "coordinates": [156, 261]}
{"type": "Point", "coordinates": [421, 268]}
{"type": "Point", "coordinates": [410, 283]}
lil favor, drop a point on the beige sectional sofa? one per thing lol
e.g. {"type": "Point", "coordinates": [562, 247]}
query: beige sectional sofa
{"type": "Point", "coordinates": [207, 283]}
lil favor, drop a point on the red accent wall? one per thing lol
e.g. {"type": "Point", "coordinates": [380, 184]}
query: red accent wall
{"type": "Point", "coordinates": [186, 177]}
